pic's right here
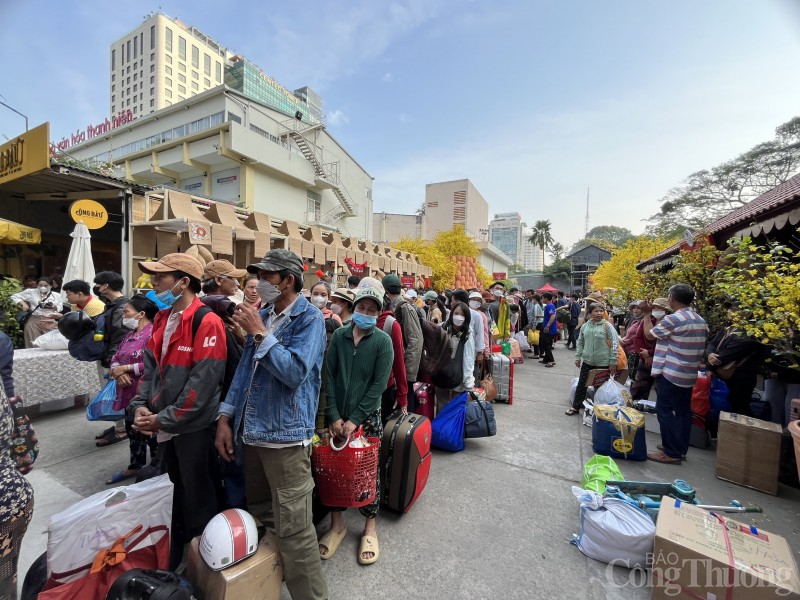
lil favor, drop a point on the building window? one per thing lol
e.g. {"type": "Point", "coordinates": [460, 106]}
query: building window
{"type": "Point", "coordinates": [167, 102]}
{"type": "Point", "coordinates": [219, 72]}
{"type": "Point", "coordinates": [113, 77]}
{"type": "Point", "coordinates": [134, 110]}
{"type": "Point", "coordinates": [168, 39]}
{"type": "Point", "coordinates": [135, 97]}
{"type": "Point", "coordinates": [128, 102]}
{"type": "Point", "coordinates": [135, 76]}
{"type": "Point", "coordinates": [194, 85]}
{"type": "Point", "coordinates": [113, 59]}
{"type": "Point", "coordinates": [169, 59]}
{"type": "Point", "coordinates": [113, 87]}
{"type": "Point", "coordinates": [134, 87]}
{"type": "Point", "coordinates": [181, 78]}
{"type": "Point", "coordinates": [152, 56]}
{"type": "Point", "coordinates": [168, 70]}
{"type": "Point", "coordinates": [141, 107]}
{"type": "Point", "coordinates": [168, 93]}
{"type": "Point", "coordinates": [113, 109]}
{"type": "Point", "coordinates": [141, 43]}
{"type": "Point", "coordinates": [152, 39]}
{"type": "Point", "coordinates": [195, 57]}
{"type": "Point", "coordinates": [128, 69]}
{"type": "Point", "coordinates": [128, 81]}
{"type": "Point", "coordinates": [152, 79]}
{"type": "Point", "coordinates": [128, 45]}
{"type": "Point", "coordinates": [181, 48]}
{"type": "Point", "coordinates": [195, 75]}
{"type": "Point", "coordinates": [207, 65]}
{"type": "Point", "coordinates": [113, 97]}
{"type": "Point", "coordinates": [153, 68]}
{"type": "Point", "coordinates": [168, 81]}
{"type": "Point", "coordinates": [182, 67]}
{"type": "Point", "coordinates": [181, 89]}
{"type": "Point", "coordinates": [152, 91]}
{"type": "Point", "coordinates": [207, 83]}
{"type": "Point", "coordinates": [135, 47]}
{"type": "Point", "coordinates": [152, 103]}
{"type": "Point", "coordinates": [122, 52]}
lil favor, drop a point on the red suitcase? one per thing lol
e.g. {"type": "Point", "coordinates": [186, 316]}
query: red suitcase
{"type": "Point", "coordinates": [405, 461]}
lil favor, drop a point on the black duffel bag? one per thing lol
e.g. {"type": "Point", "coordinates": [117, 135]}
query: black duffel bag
{"type": "Point", "coordinates": [480, 420]}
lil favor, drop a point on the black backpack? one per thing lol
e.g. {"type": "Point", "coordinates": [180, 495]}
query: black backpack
{"type": "Point", "coordinates": [435, 344]}
{"type": "Point", "coordinates": [452, 374]}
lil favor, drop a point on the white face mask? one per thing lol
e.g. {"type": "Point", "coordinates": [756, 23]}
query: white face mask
{"type": "Point", "coordinates": [458, 320]}
{"type": "Point", "coordinates": [336, 308]}
{"type": "Point", "coordinates": [497, 292]}
{"type": "Point", "coordinates": [319, 301]}
{"type": "Point", "coordinates": [474, 304]}
{"type": "Point", "coordinates": [44, 290]}
{"type": "Point", "coordinates": [659, 314]}
{"type": "Point", "coordinates": [130, 323]}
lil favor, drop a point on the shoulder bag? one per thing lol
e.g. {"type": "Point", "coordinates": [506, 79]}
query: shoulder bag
{"type": "Point", "coordinates": [25, 444]}
{"type": "Point", "coordinates": [727, 370]}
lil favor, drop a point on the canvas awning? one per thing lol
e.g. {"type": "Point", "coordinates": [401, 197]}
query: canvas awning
{"type": "Point", "coordinates": [15, 233]}
{"type": "Point", "coordinates": [547, 288]}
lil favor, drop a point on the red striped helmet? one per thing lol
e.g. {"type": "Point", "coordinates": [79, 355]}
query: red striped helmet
{"type": "Point", "coordinates": [229, 538]}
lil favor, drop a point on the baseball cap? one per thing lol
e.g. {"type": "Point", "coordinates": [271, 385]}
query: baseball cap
{"type": "Point", "coordinates": [391, 283]}
{"type": "Point", "coordinates": [475, 295]}
{"type": "Point", "coordinates": [173, 262]}
{"type": "Point", "coordinates": [430, 295]}
{"type": "Point", "coordinates": [371, 282]}
{"type": "Point", "coordinates": [662, 303]}
{"type": "Point", "coordinates": [217, 268]}
{"type": "Point", "coordinates": [635, 304]}
{"type": "Point", "coordinates": [369, 293]}
{"type": "Point", "coordinates": [411, 294]}
{"type": "Point", "coordinates": [278, 259]}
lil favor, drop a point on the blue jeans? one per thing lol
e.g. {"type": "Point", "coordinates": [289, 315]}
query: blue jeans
{"type": "Point", "coordinates": [674, 411]}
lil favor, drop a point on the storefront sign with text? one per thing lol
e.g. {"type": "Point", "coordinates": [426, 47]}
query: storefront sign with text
{"type": "Point", "coordinates": [92, 131]}
{"type": "Point", "coordinates": [92, 214]}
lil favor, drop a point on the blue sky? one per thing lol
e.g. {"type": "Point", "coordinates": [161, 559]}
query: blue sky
{"type": "Point", "coordinates": [532, 100]}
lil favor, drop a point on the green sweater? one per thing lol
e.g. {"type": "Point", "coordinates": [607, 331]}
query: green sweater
{"type": "Point", "coordinates": [356, 375]}
{"type": "Point", "coordinates": [593, 344]}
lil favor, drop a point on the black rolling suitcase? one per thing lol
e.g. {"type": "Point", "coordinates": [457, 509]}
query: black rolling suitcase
{"type": "Point", "coordinates": [405, 460]}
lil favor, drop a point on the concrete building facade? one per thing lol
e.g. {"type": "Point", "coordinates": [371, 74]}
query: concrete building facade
{"type": "Point", "coordinates": [505, 232]}
{"type": "Point", "coordinates": [449, 203]}
{"type": "Point", "coordinates": [390, 227]}
{"type": "Point", "coordinates": [531, 257]}
{"type": "Point", "coordinates": [222, 145]}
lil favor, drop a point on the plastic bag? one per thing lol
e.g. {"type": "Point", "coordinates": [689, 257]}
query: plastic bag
{"type": "Point", "coordinates": [573, 388]}
{"type": "Point", "coordinates": [613, 531]}
{"type": "Point", "coordinates": [505, 348]}
{"type": "Point", "coordinates": [597, 471]}
{"type": "Point", "coordinates": [719, 395]}
{"type": "Point", "coordinates": [701, 394]}
{"type": "Point", "coordinates": [533, 337]}
{"type": "Point", "coordinates": [448, 426]}
{"type": "Point", "coordinates": [52, 340]}
{"type": "Point", "coordinates": [613, 392]}
{"type": "Point", "coordinates": [524, 346]}
{"type": "Point", "coordinates": [101, 407]}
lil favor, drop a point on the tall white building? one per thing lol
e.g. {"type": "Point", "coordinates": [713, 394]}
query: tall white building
{"type": "Point", "coordinates": [505, 232]}
{"type": "Point", "coordinates": [531, 259]}
{"type": "Point", "coordinates": [458, 202]}
{"type": "Point", "coordinates": [161, 62]}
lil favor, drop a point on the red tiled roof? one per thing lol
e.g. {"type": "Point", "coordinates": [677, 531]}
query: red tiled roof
{"type": "Point", "coordinates": [763, 204]}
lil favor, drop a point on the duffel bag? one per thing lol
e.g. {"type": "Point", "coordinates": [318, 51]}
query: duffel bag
{"type": "Point", "coordinates": [480, 421]}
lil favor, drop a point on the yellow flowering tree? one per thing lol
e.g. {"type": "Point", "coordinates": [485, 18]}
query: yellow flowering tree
{"type": "Point", "coordinates": [620, 273]}
{"type": "Point", "coordinates": [763, 283]}
{"type": "Point", "coordinates": [439, 255]}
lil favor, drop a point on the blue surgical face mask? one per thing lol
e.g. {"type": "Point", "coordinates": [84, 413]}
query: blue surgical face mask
{"type": "Point", "coordinates": [364, 322]}
{"type": "Point", "coordinates": [167, 297]}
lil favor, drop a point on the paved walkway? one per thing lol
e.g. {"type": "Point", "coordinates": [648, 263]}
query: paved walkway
{"type": "Point", "coordinates": [493, 522]}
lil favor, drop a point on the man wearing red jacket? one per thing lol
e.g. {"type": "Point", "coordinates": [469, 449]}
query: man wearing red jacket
{"type": "Point", "coordinates": [396, 393]}
{"type": "Point", "coordinates": [178, 396]}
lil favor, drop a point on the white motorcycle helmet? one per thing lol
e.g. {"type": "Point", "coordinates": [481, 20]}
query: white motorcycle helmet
{"type": "Point", "coordinates": [229, 538]}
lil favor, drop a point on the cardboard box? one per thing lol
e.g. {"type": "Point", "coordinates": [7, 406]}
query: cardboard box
{"type": "Point", "coordinates": [259, 576]}
{"type": "Point", "coordinates": [749, 452]}
{"type": "Point", "coordinates": [698, 554]}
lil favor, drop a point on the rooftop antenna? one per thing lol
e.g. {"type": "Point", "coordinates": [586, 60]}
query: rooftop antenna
{"type": "Point", "coordinates": [586, 221]}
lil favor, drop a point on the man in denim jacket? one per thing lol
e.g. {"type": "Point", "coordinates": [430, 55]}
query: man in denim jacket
{"type": "Point", "coordinates": [272, 406]}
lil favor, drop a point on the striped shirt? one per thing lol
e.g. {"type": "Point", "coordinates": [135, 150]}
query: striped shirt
{"type": "Point", "coordinates": [681, 340]}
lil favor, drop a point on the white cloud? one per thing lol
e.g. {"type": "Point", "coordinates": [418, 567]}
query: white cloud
{"type": "Point", "coordinates": [387, 78]}
{"type": "Point", "coordinates": [337, 117]}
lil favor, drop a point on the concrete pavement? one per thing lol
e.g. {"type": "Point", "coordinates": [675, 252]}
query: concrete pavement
{"type": "Point", "coordinates": [493, 521]}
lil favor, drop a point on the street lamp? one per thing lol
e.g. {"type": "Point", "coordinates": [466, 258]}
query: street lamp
{"type": "Point", "coordinates": [16, 111]}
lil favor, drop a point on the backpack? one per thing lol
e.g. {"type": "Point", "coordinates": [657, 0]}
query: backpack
{"type": "Point", "coordinates": [452, 374]}
{"type": "Point", "coordinates": [435, 344]}
{"type": "Point", "coordinates": [92, 345]}
{"type": "Point", "coordinates": [563, 314]}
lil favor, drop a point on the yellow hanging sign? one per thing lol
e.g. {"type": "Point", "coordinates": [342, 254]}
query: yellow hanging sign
{"type": "Point", "coordinates": [93, 214]}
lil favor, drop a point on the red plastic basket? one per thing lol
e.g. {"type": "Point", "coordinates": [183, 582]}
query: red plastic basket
{"type": "Point", "coordinates": [346, 477]}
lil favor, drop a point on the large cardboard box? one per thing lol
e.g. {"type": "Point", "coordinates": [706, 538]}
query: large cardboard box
{"type": "Point", "coordinates": [699, 554]}
{"type": "Point", "coordinates": [259, 576]}
{"type": "Point", "coordinates": [749, 452]}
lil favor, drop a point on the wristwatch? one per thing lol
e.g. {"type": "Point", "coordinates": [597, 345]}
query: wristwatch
{"type": "Point", "coordinates": [259, 337]}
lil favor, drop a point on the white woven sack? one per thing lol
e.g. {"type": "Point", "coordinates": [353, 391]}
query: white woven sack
{"type": "Point", "coordinates": [613, 531]}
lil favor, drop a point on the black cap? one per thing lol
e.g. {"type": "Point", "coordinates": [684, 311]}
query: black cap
{"type": "Point", "coordinates": [278, 260]}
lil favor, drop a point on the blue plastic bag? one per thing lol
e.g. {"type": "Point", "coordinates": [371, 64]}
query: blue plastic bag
{"type": "Point", "coordinates": [448, 426]}
{"type": "Point", "coordinates": [719, 395]}
{"type": "Point", "coordinates": [101, 408]}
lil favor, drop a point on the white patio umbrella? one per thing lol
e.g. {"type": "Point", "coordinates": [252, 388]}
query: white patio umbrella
{"type": "Point", "coordinates": [80, 264]}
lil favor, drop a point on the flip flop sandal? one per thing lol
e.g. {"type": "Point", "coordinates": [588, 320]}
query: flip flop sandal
{"type": "Point", "coordinates": [571, 411]}
{"type": "Point", "coordinates": [111, 438]}
{"type": "Point", "coordinates": [331, 540]}
{"type": "Point", "coordinates": [369, 543]}
{"type": "Point", "coordinates": [103, 435]}
{"type": "Point", "coordinates": [120, 476]}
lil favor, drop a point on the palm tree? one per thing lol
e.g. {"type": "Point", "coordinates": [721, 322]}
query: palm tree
{"type": "Point", "coordinates": [541, 236]}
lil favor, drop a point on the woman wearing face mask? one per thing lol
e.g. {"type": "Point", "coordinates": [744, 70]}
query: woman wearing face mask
{"type": "Point", "coordinates": [44, 301]}
{"type": "Point", "coordinates": [251, 297]}
{"type": "Point", "coordinates": [646, 349]}
{"type": "Point", "coordinates": [320, 294]}
{"type": "Point", "coordinates": [342, 304]}
{"type": "Point", "coordinates": [460, 334]}
{"type": "Point", "coordinates": [127, 368]}
{"type": "Point", "coordinates": [596, 349]}
{"type": "Point", "coordinates": [358, 364]}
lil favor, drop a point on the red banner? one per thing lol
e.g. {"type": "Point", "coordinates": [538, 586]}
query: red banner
{"type": "Point", "coordinates": [499, 276]}
{"type": "Point", "coordinates": [356, 269]}
{"type": "Point", "coordinates": [407, 281]}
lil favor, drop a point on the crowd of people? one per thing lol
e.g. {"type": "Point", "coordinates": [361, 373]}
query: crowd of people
{"type": "Point", "coordinates": [227, 387]}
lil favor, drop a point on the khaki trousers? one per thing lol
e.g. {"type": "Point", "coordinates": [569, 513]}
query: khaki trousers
{"type": "Point", "coordinates": [278, 486]}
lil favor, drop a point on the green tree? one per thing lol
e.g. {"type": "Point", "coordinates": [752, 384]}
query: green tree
{"type": "Point", "coordinates": [560, 268]}
{"type": "Point", "coordinates": [591, 241]}
{"type": "Point", "coordinates": [557, 251]}
{"type": "Point", "coordinates": [542, 237]}
{"type": "Point", "coordinates": [611, 233]}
